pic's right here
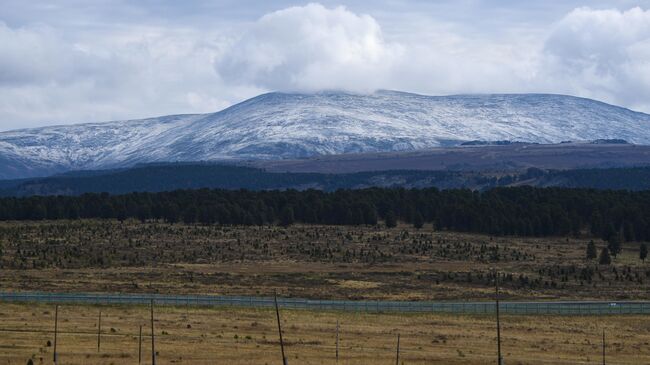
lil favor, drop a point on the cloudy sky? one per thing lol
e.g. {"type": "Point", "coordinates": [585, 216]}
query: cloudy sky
{"type": "Point", "coordinates": [72, 61]}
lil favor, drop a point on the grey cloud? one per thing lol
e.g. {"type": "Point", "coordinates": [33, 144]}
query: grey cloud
{"type": "Point", "coordinates": [603, 54]}
{"type": "Point", "coordinates": [76, 61]}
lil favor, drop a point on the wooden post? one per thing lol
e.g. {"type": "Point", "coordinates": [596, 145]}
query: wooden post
{"type": "Point", "coordinates": [153, 340]}
{"type": "Point", "coordinates": [99, 331]}
{"type": "Point", "coordinates": [499, 357]}
{"type": "Point", "coordinates": [604, 362]}
{"type": "Point", "coordinates": [56, 332]}
{"type": "Point", "coordinates": [140, 347]}
{"type": "Point", "coordinates": [337, 341]}
{"type": "Point", "coordinates": [277, 313]}
{"type": "Point", "coordinates": [397, 355]}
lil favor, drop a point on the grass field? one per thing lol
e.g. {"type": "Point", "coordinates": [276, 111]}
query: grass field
{"type": "Point", "coordinates": [236, 336]}
{"type": "Point", "coordinates": [329, 262]}
{"type": "Point", "coordinates": [333, 262]}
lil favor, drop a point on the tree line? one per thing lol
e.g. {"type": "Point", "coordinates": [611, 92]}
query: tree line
{"type": "Point", "coordinates": [523, 211]}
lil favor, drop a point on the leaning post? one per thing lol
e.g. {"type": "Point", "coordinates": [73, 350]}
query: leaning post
{"type": "Point", "coordinates": [397, 352]}
{"type": "Point", "coordinates": [277, 313]}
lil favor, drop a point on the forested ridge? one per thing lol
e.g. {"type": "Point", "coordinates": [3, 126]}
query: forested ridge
{"type": "Point", "coordinates": [524, 211]}
{"type": "Point", "coordinates": [168, 177]}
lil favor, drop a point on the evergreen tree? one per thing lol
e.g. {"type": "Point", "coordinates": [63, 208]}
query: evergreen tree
{"type": "Point", "coordinates": [614, 244]}
{"type": "Point", "coordinates": [596, 224]}
{"type": "Point", "coordinates": [144, 213]}
{"type": "Point", "coordinates": [592, 253]}
{"type": "Point", "coordinates": [522, 211]}
{"type": "Point", "coordinates": [287, 216]}
{"type": "Point", "coordinates": [190, 215]}
{"type": "Point", "coordinates": [391, 220]}
{"type": "Point", "coordinates": [418, 220]}
{"type": "Point", "coordinates": [370, 216]}
{"type": "Point", "coordinates": [628, 232]}
{"type": "Point", "coordinates": [605, 259]}
{"type": "Point", "coordinates": [643, 252]}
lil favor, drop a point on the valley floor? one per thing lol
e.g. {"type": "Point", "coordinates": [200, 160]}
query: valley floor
{"type": "Point", "coordinates": [324, 262]}
{"type": "Point", "coordinates": [201, 336]}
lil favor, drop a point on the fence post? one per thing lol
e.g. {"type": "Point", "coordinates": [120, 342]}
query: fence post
{"type": "Point", "coordinates": [140, 346]}
{"type": "Point", "coordinates": [397, 354]}
{"type": "Point", "coordinates": [337, 341]}
{"type": "Point", "coordinates": [277, 313]}
{"type": "Point", "coordinates": [153, 341]}
{"type": "Point", "coordinates": [99, 331]}
{"type": "Point", "coordinates": [496, 282]}
{"type": "Point", "coordinates": [56, 332]}
{"type": "Point", "coordinates": [604, 362]}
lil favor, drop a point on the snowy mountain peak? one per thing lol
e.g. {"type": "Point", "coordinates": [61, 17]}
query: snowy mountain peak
{"type": "Point", "coordinates": [294, 125]}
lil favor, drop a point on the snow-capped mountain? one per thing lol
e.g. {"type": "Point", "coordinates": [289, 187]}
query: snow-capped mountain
{"type": "Point", "coordinates": [282, 125]}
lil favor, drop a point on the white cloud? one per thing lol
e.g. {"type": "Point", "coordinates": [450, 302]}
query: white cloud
{"type": "Point", "coordinates": [77, 69]}
{"type": "Point", "coordinates": [603, 54]}
{"type": "Point", "coordinates": [313, 47]}
{"type": "Point", "coordinates": [47, 78]}
{"type": "Point", "coordinates": [310, 48]}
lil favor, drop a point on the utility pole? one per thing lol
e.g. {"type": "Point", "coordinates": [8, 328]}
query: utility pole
{"type": "Point", "coordinates": [99, 331]}
{"type": "Point", "coordinates": [153, 341]}
{"type": "Point", "coordinates": [397, 354]}
{"type": "Point", "coordinates": [277, 313]}
{"type": "Point", "coordinates": [56, 332]}
{"type": "Point", "coordinates": [496, 283]}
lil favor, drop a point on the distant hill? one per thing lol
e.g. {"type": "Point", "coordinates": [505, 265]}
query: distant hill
{"type": "Point", "coordinates": [290, 126]}
{"type": "Point", "coordinates": [510, 157]}
{"type": "Point", "coordinates": [168, 177]}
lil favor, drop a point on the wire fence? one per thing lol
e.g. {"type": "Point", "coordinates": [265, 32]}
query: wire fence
{"type": "Point", "coordinates": [228, 338]}
{"type": "Point", "coordinates": [520, 308]}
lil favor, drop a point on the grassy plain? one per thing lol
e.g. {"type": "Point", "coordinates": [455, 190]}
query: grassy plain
{"type": "Point", "coordinates": [308, 261]}
{"type": "Point", "coordinates": [312, 262]}
{"type": "Point", "coordinates": [201, 336]}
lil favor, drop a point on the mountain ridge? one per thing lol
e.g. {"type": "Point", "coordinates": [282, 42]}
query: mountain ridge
{"type": "Point", "coordinates": [195, 176]}
{"type": "Point", "coordinates": [294, 125]}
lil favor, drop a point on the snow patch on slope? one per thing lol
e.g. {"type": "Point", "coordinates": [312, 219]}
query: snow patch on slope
{"type": "Point", "coordinates": [284, 125]}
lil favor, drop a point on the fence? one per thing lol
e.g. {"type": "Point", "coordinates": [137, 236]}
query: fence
{"type": "Point", "coordinates": [522, 308]}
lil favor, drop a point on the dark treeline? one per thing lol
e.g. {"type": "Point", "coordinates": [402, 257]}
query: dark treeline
{"type": "Point", "coordinates": [521, 211]}
{"type": "Point", "coordinates": [186, 176]}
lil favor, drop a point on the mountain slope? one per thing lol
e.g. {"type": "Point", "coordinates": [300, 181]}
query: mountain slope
{"type": "Point", "coordinates": [278, 125]}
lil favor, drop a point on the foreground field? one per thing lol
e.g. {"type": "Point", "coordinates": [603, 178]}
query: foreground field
{"type": "Point", "coordinates": [236, 336]}
{"type": "Point", "coordinates": [328, 262]}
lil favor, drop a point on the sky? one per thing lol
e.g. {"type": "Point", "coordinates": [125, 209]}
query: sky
{"type": "Point", "coordinates": [74, 61]}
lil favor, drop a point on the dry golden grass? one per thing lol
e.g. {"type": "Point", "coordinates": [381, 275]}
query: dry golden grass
{"type": "Point", "coordinates": [237, 336]}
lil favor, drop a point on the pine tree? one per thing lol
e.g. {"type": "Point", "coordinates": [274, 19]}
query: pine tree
{"type": "Point", "coordinates": [418, 220]}
{"type": "Point", "coordinates": [391, 220]}
{"type": "Point", "coordinates": [287, 217]}
{"type": "Point", "coordinates": [614, 244]}
{"type": "Point", "coordinates": [190, 214]}
{"type": "Point", "coordinates": [643, 252]}
{"type": "Point", "coordinates": [592, 253]}
{"type": "Point", "coordinates": [605, 259]}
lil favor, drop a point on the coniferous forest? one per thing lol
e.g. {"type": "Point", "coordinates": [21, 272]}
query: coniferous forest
{"type": "Point", "coordinates": [523, 211]}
